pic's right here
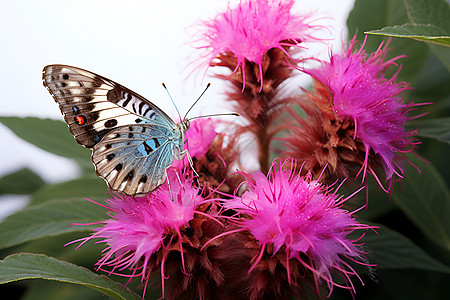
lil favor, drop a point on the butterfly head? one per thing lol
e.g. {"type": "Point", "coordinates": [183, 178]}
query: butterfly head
{"type": "Point", "coordinates": [184, 125]}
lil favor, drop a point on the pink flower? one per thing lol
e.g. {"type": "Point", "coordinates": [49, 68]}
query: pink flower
{"type": "Point", "coordinates": [251, 29]}
{"type": "Point", "coordinates": [363, 94]}
{"type": "Point", "coordinates": [199, 137]}
{"type": "Point", "coordinates": [302, 219]}
{"type": "Point", "coordinates": [141, 226]}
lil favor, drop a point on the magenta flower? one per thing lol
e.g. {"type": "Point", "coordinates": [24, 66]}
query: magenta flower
{"type": "Point", "coordinates": [301, 219]}
{"type": "Point", "coordinates": [363, 94]}
{"type": "Point", "coordinates": [139, 227]}
{"type": "Point", "coordinates": [251, 29]}
{"type": "Point", "coordinates": [256, 39]}
{"type": "Point", "coordinates": [212, 158]}
{"type": "Point", "coordinates": [199, 136]}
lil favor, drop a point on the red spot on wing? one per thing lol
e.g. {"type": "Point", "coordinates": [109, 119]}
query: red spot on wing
{"type": "Point", "coordinates": [80, 120]}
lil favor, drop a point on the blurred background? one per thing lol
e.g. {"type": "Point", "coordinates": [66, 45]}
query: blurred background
{"type": "Point", "coordinates": [137, 43]}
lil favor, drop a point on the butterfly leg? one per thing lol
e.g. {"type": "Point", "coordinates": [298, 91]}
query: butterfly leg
{"type": "Point", "coordinates": [168, 185]}
{"type": "Point", "coordinates": [191, 162]}
{"type": "Point", "coordinates": [179, 179]}
{"type": "Point", "coordinates": [168, 182]}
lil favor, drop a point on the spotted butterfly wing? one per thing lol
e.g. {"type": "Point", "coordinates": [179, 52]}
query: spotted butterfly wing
{"type": "Point", "coordinates": [133, 141]}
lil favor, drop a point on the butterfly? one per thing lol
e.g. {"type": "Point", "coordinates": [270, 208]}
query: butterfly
{"type": "Point", "coordinates": [133, 141]}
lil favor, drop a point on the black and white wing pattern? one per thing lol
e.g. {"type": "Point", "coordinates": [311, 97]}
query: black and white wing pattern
{"type": "Point", "coordinates": [133, 141]}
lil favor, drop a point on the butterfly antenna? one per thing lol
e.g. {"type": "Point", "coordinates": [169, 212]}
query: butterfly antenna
{"type": "Point", "coordinates": [171, 99]}
{"type": "Point", "coordinates": [207, 86]}
{"type": "Point", "coordinates": [215, 115]}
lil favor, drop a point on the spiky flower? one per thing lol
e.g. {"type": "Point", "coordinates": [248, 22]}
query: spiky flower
{"type": "Point", "coordinates": [319, 139]}
{"type": "Point", "coordinates": [256, 40]}
{"type": "Point", "coordinates": [216, 167]}
{"type": "Point", "coordinates": [164, 230]}
{"type": "Point", "coordinates": [357, 115]}
{"type": "Point", "coordinates": [298, 225]}
{"type": "Point", "coordinates": [212, 157]}
{"type": "Point", "coordinates": [200, 136]}
{"type": "Point", "coordinates": [250, 30]}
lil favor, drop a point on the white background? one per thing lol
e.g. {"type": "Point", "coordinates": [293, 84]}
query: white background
{"type": "Point", "coordinates": [138, 43]}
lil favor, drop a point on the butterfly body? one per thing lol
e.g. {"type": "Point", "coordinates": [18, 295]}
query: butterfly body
{"type": "Point", "coordinates": [133, 142]}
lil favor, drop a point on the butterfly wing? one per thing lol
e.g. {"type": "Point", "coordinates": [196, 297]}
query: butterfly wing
{"type": "Point", "coordinates": [133, 159]}
{"type": "Point", "coordinates": [132, 139]}
{"type": "Point", "coordinates": [93, 105]}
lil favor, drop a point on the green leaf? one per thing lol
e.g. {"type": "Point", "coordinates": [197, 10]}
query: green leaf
{"type": "Point", "coordinates": [31, 266]}
{"type": "Point", "coordinates": [422, 32]}
{"type": "Point", "coordinates": [49, 135]}
{"type": "Point", "coordinates": [48, 219]}
{"type": "Point", "coordinates": [20, 182]}
{"type": "Point", "coordinates": [438, 129]}
{"type": "Point", "coordinates": [436, 12]}
{"type": "Point", "coordinates": [432, 86]}
{"type": "Point", "coordinates": [374, 14]}
{"type": "Point", "coordinates": [375, 201]}
{"type": "Point", "coordinates": [91, 187]}
{"type": "Point", "coordinates": [391, 250]}
{"type": "Point", "coordinates": [425, 199]}
{"type": "Point", "coordinates": [44, 290]}
{"type": "Point", "coordinates": [443, 53]}
{"type": "Point", "coordinates": [86, 255]}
